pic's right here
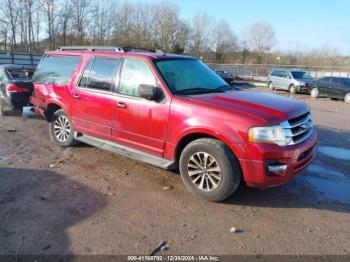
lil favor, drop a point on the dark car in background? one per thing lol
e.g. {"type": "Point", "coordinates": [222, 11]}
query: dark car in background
{"type": "Point", "coordinates": [332, 87]}
{"type": "Point", "coordinates": [15, 86]}
{"type": "Point", "coordinates": [228, 78]}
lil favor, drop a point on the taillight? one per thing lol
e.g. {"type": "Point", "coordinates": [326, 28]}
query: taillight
{"type": "Point", "coordinates": [12, 88]}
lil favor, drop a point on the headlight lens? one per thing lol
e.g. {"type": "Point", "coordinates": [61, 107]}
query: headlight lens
{"type": "Point", "coordinates": [270, 134]}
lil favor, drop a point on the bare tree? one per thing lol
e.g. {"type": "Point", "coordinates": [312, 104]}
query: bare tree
{"type": "Point", "coordinates": [9, 11]}
{"type": "Point", "coordinates": [49, 7]}
{"type": "Point", "coordinates": [81, 12]}
{"type": "Point", "coordinates": [224, 40]}
{"type": "Point", "coordinates": [200, 34]}
{"type": "Point", "coordinates": [261, 38]}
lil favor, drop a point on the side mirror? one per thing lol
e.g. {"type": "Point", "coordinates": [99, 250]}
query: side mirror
{"type": "Point", "coordinates": [288, 77]}
{"type": "Point", "coordinates": [147, 91]}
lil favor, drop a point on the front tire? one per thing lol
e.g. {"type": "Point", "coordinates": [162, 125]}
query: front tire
{"type": "Point", "coordinates": [209, 169]}
{"type": "Point", "coordinates": [314, 92]}
{"type": "Point", "coordinates": [347, 98]}
{"type": "Point", "coordinates": [293, 89]}
{"type": "Point", "coordinates": [61, 129]}
{"type": "Point", "coordinates": [271, 86]}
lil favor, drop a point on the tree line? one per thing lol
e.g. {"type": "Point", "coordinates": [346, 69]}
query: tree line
{"type": "Point", "coordinates": [38, 25]}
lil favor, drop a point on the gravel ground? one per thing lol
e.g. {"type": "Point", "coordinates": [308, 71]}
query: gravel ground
{"type": "Point", "coordinates": [83, 200]}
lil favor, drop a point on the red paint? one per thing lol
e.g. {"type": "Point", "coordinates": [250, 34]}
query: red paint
{"type": "Point", "coordinates": [157, 128]}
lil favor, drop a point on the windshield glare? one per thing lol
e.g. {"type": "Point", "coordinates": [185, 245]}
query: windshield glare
{"type": "Point", "coordinates": [189, 74]}
{"type": "Point", "coordinates": [301, 75]}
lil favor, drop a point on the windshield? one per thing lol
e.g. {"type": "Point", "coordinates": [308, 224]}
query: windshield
{"type": "Point", "coordinates": [301, 75]}
{"type": "Point", "coordinates": [190, 76]}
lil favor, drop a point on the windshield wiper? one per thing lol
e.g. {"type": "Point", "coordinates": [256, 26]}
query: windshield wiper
{"type": "Point", "coordinates": [196, 90]}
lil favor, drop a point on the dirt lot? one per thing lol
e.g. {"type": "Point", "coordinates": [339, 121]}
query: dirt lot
{"type": "Point", "coordinates": [86, 201]}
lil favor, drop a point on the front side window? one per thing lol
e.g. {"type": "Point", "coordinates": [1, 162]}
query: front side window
{"type": "Point", "coordinates": [134, 73]}
{"type": "Point", "coordinates": [99, 73]}
{"type": "Point", "coordinates": [190, 76]}
{"type": "Point", "coordinates": [56, 70]}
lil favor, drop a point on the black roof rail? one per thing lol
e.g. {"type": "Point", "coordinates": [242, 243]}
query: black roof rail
{"type": "Point", "coordinates": [109, 48]}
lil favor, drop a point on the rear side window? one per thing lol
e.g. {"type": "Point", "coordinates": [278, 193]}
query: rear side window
{"type": "Point", "coordinates": [346, 81]}
{"type": "Point", "coordinates": [99, 73]}
{"type": "Point", "coordinates": [56, 70]}
{"type": "Point", "coordinates": [274, 73]}
{"type": "Point", "coordinates": [336, 80]}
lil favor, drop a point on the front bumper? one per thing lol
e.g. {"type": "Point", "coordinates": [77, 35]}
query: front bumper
{"type": "Point", "coordinates": [297, 158]}
{"type": "Point", "coordinates": [303, 89]}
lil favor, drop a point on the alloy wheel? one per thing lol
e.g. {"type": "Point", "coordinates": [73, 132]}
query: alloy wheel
{"type": "Point", "coordinates": [204, 171]}
{"type": "Point", "coordinates": [62, 129]}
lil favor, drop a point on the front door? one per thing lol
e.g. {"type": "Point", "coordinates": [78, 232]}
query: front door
{"type": "Point", "coordinates": [138, 122]}
{"type": "Point", "coordinates": [93, 97]}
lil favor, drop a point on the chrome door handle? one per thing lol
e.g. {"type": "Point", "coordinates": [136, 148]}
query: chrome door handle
{"type": "Point", "coordinates": [121, 105]}
{"type": "Point", "coordinates": [76, 96]}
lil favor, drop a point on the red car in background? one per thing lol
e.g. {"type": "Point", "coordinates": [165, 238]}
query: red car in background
{"type": "Point", "coordinates": [175, 113]}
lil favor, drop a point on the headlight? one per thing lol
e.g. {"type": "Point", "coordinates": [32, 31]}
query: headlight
{"type": "Point", "coordinates": [269, 134]}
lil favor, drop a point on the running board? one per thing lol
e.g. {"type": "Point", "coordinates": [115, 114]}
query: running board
{"type": "Point", "coordinates": [125, 151]}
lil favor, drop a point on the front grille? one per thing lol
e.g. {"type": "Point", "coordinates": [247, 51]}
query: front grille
{"type": "Point", "coordinates": [298, 129]}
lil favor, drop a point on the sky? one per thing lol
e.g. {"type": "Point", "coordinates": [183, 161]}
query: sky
{"type": "Point", "coordinates": [300, 25]}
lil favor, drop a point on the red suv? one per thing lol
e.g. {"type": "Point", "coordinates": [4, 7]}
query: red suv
{"type": "Point", "coordinates": [175, 113]}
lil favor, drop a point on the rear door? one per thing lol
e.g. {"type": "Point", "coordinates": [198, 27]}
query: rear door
{"type": "Point", "coordinates": [323, 86]}
{"type": "Point", "coordinates": [138, 122]}
{"type": "Point", "coordinates": [284, 81]}
{"type": "Point", "coordinates": [92, 98]}
{"type": "Point", "coordinates": [338, 87]}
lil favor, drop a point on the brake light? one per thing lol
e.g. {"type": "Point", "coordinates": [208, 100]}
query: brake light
{"type": "Point", "coordinates": [12, 88]}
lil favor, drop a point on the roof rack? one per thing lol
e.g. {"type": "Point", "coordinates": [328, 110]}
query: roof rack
{"type": "Point", "coordinates": [109, 49]}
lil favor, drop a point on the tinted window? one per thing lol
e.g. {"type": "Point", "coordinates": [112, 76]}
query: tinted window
{"type": "Point", "coordinates": [336, 80]}
{"type": "Point", "coordinates": [275, 73]}
{"type": "Point", "coordinates": [135, 72]}
{"type": "Point", "coordinates": [20, 73]}
{"type": "Point", "coordinates": [325, 79]}
{"type": "Point", "coordinates": [56, 69]}
{"type": "Point", "coordinates": [346, 81]}
{"type": "Point", "coordinates": [99, 73]}
{"type": "Point", "coordinates": [2, 78]}
{"type": "Point", "coordinates": [301, 75]}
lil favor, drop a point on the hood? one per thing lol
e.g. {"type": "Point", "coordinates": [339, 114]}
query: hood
{"type": "Point", "coordinates": [269, 108]}
{"type": "Point", "coordinates": [305, 80]}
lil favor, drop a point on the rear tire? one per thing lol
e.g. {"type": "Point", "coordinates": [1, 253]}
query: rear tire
{"type": "Point", "coordinates": [209, 169]}
{"type": "Point", "coordinates": [314, 92]}
{"type": "Point", "coordinates": [347, 98]}
{"type": "Point", "coordinates": [61, 129]}
{"type": "Point", "coordinates": [292, 89]}
{"type": "Point", "coordinates": [271, 86]}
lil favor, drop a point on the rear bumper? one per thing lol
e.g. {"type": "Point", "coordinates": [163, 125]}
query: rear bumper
{"type": "Point", "coordinates": [297, 158]}
{"type": "Point", "coordinates": [303, 89]}
{"type": "Point", "coordinates": [16, 100]}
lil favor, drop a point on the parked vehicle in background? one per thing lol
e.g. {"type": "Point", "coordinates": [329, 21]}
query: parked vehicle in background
{"type": "Point", "coordinates": [173, 112]}
{"type": "Point", "coordinates": [15, 86]}
{"type": "Point", "coordinates": [226, 76]}
{"type": "Point", "coordinates": [294, 81]}
{"type": "Point", "coordinates": [332, 87]}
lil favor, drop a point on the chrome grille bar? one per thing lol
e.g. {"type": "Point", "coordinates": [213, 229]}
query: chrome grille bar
{"type": "Point", "coordinates": [298, 129]}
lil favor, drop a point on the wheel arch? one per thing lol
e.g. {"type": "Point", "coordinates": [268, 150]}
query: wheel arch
{"type": "Point", "coordinates": [189, 137]}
